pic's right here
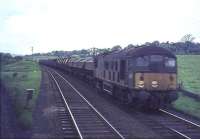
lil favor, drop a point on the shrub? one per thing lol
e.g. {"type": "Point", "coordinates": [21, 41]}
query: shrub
{"type": "Point", "coordinates": [15, 74]}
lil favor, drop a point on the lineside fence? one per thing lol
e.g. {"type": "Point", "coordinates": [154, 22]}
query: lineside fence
{"type": "Point", "coordinates": [190, 94]}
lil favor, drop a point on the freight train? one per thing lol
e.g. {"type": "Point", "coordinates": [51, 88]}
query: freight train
{"type": "Point", "coordinates": [145, 76]}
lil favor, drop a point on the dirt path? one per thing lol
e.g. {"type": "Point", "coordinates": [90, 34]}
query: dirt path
{"type": "Point", "coordinates": [44, 114]}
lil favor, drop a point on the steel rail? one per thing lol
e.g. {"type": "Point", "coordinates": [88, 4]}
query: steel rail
{"type": "Point", "coordinates": [121, 136]}
{"type": "Point", "coordinates": [181, 134]}
{"type": "Point", "coordinates": [180, 118]}
{"type": "Point", "coordinates": [73, 119]}
{"type": "Point", "coordinates": [164, 111]}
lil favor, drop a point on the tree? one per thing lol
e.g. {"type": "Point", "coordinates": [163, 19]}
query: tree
{"type": "Point", "coordinates": [130, 46]}
{"type": "Point", "coordinates": [187, 38]}
{"type": "Point", "coordinates": [156, 43]}
{"type": "Point", "coordinates": [6, 58]}
{"type": "Point", "coordinates": [115, 48]}
{"type": "Point", "coordinates": [18, 58]}
{"type": "Point", "coordinates": [93, 51]}
{"type": "Point", "coordinates": [103, 50]}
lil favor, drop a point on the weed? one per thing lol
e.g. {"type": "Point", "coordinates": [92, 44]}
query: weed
{"type": "Point", "coordinates": [14, 74]}
{"type": "Point", "coordinates": [17, 77]}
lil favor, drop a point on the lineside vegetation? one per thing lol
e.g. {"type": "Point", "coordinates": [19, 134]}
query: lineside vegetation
{"type": "Point", "coordinates": [17, 77]}
{"type": "Point", "coordinates": [189, 74]}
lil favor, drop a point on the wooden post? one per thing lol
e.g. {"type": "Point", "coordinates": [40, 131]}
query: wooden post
{"type": "Point", "coordinates": [29, 95]}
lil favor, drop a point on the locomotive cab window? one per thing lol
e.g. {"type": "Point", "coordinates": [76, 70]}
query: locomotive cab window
{"type": "Point", "coordinates": [142, 61]}
{"type": "Point", "coordinates": [156, 58]}
{"type": "Point", "coordinates": [170, 62]}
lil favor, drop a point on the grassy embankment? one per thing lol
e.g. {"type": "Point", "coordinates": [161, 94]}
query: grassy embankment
{"type": "Point", "coordinates": [17, 77]}
{"type": "Point", "coordinates": [189, 74]}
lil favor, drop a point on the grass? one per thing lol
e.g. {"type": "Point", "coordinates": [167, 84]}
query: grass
{"type": "Point", "coordinates": [189, 72]}
{"type": "Point", "coordinates": [187, 105]}
{"type": "Point", "coordinates": [37, 58]}
{"type": "Point", "coordinates": [17, 77]}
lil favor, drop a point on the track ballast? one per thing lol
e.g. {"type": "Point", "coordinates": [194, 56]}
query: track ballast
{"type": "Point", "coordinates": [79, 118]}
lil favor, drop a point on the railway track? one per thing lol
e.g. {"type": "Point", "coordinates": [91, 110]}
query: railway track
{"type": "Point", "coordinates": [169, 125]}
{"type": "Point", "coordinates": [181, 126]}
{"type": "Point", "coordinates": [79, 118]}
{"type": "Point", "coordinates": [164, 123]}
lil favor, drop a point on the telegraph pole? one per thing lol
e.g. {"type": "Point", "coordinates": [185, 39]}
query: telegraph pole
{"type": "Point", "coordinates": [32, 51]}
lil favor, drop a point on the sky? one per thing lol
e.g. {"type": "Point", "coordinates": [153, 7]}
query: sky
{"type": "Point", "coordinates": [67, 25]}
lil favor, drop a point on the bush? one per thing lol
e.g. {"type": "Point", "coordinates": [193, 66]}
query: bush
{"type": "Point", "coordinates": [25, 119]}
{"type": "Point", "coordinates": [15, 74]}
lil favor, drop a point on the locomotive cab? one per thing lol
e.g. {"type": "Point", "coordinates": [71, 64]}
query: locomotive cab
{"type": "Point", "coordinates": [154, 76]}
{"type": "Point", "coordinates": [155, 72]}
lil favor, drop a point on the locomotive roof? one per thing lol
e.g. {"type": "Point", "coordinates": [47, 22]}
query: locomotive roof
{"type": "Point", "coordinates": [140, 51]}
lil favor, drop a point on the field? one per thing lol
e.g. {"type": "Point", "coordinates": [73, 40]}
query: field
{"type": "Point", "coordinates": [17, 77]}
{"type": "Point", "coordinates": [187, 105]}
{"type": "Point", "coordinates": [189, 74]}
{"type": "Point", "coordinates": [37, 58]}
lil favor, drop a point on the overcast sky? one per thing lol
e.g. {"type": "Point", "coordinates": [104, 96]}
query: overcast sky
{"type": "Point", "coordinates": [80, 24]}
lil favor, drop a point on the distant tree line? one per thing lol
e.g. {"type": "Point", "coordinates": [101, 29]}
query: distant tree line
{"type": "Point", "coordinates": [178, 48]}
{"type": "Point", "coordinates": [6, 58]}
{"type": "Point", "coordinates": [184, 47]}
{"type": "Point", "coordinates": [75, 53]}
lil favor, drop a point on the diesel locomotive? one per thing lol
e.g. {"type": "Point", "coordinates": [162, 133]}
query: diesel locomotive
{"type": "Point", "coordinates": [145, 76]}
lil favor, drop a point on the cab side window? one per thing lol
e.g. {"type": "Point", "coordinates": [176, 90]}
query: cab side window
{"type": "Point", "coordinates": [116, 65]}
{"type": "Point", "coordinates": [106, 65]}
{"type": "Point", "coordinates": [170, 62]}
{"type": "Point", "coordinates": [122, 69]}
